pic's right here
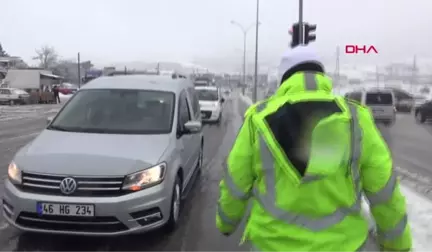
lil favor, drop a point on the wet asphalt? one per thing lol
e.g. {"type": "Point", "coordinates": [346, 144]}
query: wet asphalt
{"type": "Point", "coordinates": [411, 145]}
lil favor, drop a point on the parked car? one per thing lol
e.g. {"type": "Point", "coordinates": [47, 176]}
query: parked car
{"type": "Point", "coordinates": [117, 159]}
{"type": "Point", "coordinates": [419, 100]}
{"type": "Point", "coordinates": [13, 96]}
{"type": "Point", "coordinates": [405, 105]}
{"type": "Point", "coordinates": [67, 88]}
{"type": "Point", "coordinates": [423, 112]}
{"type": "Point", "coordinates": [210, 101]}
{"type": "Point", "coordinates": [382, 102]}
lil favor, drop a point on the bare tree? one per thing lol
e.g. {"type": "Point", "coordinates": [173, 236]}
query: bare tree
{"type": "Point", "coordinates": [3, 53]}
{"type": "Point", "coordinates": [47, 57]}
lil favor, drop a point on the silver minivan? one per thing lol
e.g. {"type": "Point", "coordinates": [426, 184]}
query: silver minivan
{"type": "Point", "coordinates": [382, 103]}
{"type": "Point", "coordinates": [118, 158]}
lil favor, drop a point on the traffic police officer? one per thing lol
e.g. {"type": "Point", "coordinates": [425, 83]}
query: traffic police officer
{"type": "Point", "coordinates": [305, 157]}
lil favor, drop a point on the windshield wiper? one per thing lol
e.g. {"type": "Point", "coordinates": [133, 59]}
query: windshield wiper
{"type": "Point", "coordinates": [58, 128]}
{"type": "Point", "coordinates": [90, 130]}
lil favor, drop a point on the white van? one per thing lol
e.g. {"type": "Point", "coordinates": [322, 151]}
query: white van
{"type": "Point", "coordinates": [382, 102]}
{"type": "Point", "coordinates": [210, 100]}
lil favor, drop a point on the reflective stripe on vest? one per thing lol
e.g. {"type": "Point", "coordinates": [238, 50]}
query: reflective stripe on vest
{"type": "Point", "coordinates": [225, 218]}
{"type": "Point", "coordinates": [385, 194]}
{"type": "Point", "coordinates": [310, 81]}
{"type": "Point", "coordinates": [268, 200]}
{"type": "Point", "coordinates": [232, 187]}
{"type": "Point", "coordinates": [362, 248]}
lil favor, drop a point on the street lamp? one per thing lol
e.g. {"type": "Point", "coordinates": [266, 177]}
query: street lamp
{"type": "Point", "coordinates": [257, 23]}
{"type": "Point", "coordinates": [244, 31]}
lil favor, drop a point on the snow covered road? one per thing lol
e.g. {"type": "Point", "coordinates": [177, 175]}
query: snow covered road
{"type": "Point", "coordinates": [8, 113]}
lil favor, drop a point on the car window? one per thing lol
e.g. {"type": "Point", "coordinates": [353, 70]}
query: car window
{"type": "Point", "coordinates": [208, 94]}
{"type": "Point", "coordinates": [195, 102]}
{"type": "Point", "coordinates": [379, 99]}
{"type": "Point", "coordinates": [117, 111]}
{"type": "Point", "coordinates": [6, 91]}
{"type": "Point", "coordinates": [184, 114]}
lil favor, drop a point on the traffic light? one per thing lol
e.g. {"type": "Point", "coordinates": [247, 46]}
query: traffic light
{"type": "Point", "coordinates": [295, 35]}
{"type": "Point", "coordinates": [309, 33]}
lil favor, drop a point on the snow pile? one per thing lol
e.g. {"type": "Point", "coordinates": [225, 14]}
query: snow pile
{"type": "Point", "coordinates": [420, 217]}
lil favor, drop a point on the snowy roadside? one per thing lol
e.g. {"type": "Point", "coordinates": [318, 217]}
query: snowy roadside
{"type": "Point", "coordinates": [419, 211]}
{"type": "Point", "coordinates": [8, 113]}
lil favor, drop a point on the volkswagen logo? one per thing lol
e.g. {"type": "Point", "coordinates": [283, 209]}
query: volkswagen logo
{"type": "Point", "coordinates": [68, 186]}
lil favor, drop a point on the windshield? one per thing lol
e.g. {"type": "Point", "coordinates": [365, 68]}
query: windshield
{"type": "Point", "coordinates": [379, 99]}
{"type": "Point", "coordinates": [117, 111]}
{"type": "Point", "coordinates": [207, 95]}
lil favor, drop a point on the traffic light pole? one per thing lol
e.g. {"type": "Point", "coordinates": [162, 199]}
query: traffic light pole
{"type": "Point", "coordinates": [301, 27]}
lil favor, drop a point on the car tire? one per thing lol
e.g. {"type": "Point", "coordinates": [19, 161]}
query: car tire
{"type": "Point", "coordinates": [388, 124]}
{"type": "Point", "coordinates": [420, 118]}
{"type": "Point", "coordinates": [176, 204]}
{"type": "Point", "coordinates": [219, 120]}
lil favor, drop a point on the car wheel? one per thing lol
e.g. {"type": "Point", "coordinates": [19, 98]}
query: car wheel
{"type": "Point", "coordinates": [219, 120]}
{"type": "Point", "coordinates": [176, 204]}
{"type": "Point", "coordinates": [420, 118]}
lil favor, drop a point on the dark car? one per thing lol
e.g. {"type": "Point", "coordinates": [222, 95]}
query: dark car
{"type": "Point", "coordinates": [423, 112]}
{"type": "Point", "coordinates": [405, 105]}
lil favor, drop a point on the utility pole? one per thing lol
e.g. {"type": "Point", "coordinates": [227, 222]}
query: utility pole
{"type": "Point", "coordinates": [337, 70]}
{"type": "Point", "coordinates": [254, 96]}
{"type": "Point", "coordinates": [244, 31]}
{"type": "Point", "coordinates": [79, 70]}
{"type": "Point", "coordinates": [158, 68]}
{"type": "Point", "coordinates": [125, 70]}
{"type": "Point", "coordinates": [301, 27]}
{"type": "Point", "coordinates": [244, 61]}
{"type": "Point", "coordinates": [377, 76]}
{"type": "Point", "coordinates": [414, 74]}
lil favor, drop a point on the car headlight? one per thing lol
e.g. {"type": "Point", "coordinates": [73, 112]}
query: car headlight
{"type": "Point", "coordinates": [145, 178]}
{"type": "Point", "coordinates": [14, 173]}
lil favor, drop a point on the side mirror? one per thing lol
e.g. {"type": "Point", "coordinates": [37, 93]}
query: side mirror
{"type": "Point", "coordinates": [222, 100]}
{"type": "Point", "coordinates": [193, 127]}
{"type": "Point", "coordinates": [49, 120]}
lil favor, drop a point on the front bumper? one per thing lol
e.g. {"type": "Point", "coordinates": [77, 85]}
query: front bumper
{"type": "Point", "coordinates": [131, 213]}
{"type": "Point", "coordinates": [210, 115]}
{"type": "Point", "coordinates": [385, 119]}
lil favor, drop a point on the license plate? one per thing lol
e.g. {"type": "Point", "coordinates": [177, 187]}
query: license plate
{"type": "Point", "coordinates": [65, 209]}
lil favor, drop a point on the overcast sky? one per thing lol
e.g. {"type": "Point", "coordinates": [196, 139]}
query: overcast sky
{"type": "Point", "coordinates": [200, 31]}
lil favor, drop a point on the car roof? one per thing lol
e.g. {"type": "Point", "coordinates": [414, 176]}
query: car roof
{"type": "Point", "coordinates": [207, 87]}
{"type": "Point", "coordinates": [379, 90]}
{"type": "Point", "coordinates": [141, 82]}
{"type": "Point", "coordinates": [371, 90]}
